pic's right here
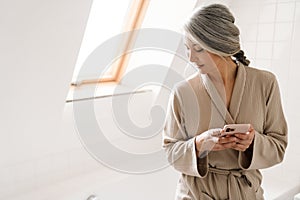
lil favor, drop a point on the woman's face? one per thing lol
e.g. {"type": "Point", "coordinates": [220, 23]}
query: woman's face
{"type": "Point", "coordinates": [205, 61]}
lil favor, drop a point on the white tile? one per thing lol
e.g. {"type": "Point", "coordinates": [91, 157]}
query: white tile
{"type": "Point", "coordinates": [293, 88]}
{"type": "Point", "coordinates": [60, 161]}
{"type": "Point", "coordinates": [52, 168]}
{"type": "Point", "coordinates": [262, 64]}
{"type": "Point", "coordinates": [6, 145]}
{"type": "Point", "coordinates": [293, 102]}
{"type": "Point", "coordinates": [281, 50]}
{"type": "Point", "coordinates": [92, 164]}
{"type": "Point", "coordinates": [264, 50]}
{"type": "Point", "coordinates": [281, 69]}
{"type": "Point", "coordinates": [297, 14]}
{"type": "Point", "coordinates": [24, 176]}
{"type": "Point", "coordinates": [265, 32]}
{"type": "Point", "coordinates": [267, 13]}
{"type": "Point", "coordinates": [284, 1]}
{"type": "Point", "coordinates": [248, 32]}
{"type": "Point", "coordinates": [43, 166]}
{"type": "Point", "coordinates": [24, 171]}
{"type": "Point", "coordinates": [60, 167]}
{"type": "Point", "coordinates": [283, 31]}
{"type": "Point", "coordinates": [6, 182]}
{"type": "Point", "coordinates": [281, 66]}
{"type": "Point", "coordinates": [76, 161]}
{"type": "Point", "coordinates": [291, 167]}
{"type": "Point", "coordinates": [285, 12]}
{"type": "Point", "coordinates": [295, 70]}
{"type": "Point", "coordinates": [295, 53]}
{"type": "Point", "coordinates": [294, 138]}
{"type": "Point", "coordinates": [270, 1]}
{"type": "Point", "coordinates": [249, 49]}
{"type": "Point", "coordinates": [245, 13]}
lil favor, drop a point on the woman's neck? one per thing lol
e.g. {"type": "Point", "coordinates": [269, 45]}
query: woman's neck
{"type": "Point", "coordinates": [229, 72]}
{"type": "Point", "coordinates": [224, 77]}
{"type": "Point", "coordinates": [226, 72]}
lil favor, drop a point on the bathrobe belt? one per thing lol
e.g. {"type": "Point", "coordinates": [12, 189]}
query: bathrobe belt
{"type": "Point", "coordinates": [237, 179]}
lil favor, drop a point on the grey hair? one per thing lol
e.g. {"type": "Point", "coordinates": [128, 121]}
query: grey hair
{"type": "Point", "coordinates": [213, 28]}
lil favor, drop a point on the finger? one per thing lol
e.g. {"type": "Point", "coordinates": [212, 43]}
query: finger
{"type": "Point", "coordinates": [218, 147]}
{"type": "Point", "coordinates": [243, 142]}
{"type": "Point", "coordinates": [224, 140]}
{"type": "Point", "coordinates": [251, 127]}
{"type": "Point", "coordinates": [240, 147]}
{"type": "Point", "coordinates": [229, 145]}
{"type": "Point", "coordinates": [243, 136]}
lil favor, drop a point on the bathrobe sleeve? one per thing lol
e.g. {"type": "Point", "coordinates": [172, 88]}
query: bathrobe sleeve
{"type": "Point", "coordinates": [180, 149]}
{"type": "Point", "coordinates": [268, 148]}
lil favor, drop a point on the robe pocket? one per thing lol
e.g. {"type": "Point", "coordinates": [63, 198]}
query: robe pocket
{"type": "Point", "coordinates": [259, 194]}
{"type": "Point", "coordinates": [255, 182]}
{"type": "Point", "coordinates": [256, 186]}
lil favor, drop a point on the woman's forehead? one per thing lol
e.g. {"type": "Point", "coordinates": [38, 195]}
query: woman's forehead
{"type": "Point", "coordinates": [190, 42]}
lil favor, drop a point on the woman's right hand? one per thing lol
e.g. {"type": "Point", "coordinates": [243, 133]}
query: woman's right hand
{"type": "Point", "coordinates": [225, 142]}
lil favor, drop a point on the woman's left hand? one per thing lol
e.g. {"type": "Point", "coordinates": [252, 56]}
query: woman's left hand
{"type": "Point", "coordinates": [243, 141]}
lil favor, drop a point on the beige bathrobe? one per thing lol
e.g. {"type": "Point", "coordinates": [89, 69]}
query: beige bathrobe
{"type": "Point", "coordinates": [195, 107]}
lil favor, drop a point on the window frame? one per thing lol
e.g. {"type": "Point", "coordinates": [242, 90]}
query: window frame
{"type": "Point", "coordinates": [133, 21]}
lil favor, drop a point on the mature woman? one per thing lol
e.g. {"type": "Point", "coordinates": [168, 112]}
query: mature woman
{"type": "Point", "coordinates": [225, 91]}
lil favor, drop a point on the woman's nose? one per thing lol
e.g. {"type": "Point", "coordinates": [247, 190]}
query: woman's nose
{"type": "Point", "coordinates": [192, 57]}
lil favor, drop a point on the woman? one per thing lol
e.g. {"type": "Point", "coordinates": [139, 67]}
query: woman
{"type": "Point", "coordinates": [225, 91]}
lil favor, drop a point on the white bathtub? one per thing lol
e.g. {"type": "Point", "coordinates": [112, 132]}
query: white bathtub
{"type": "Point", "coordinates": [109, 185]}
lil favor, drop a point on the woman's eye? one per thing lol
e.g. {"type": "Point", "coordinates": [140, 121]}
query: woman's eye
{"type": "Point", "coordinates": [198, 50]}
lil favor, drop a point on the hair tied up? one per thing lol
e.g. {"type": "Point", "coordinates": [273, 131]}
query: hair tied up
{"type": "Point", "coordinates": [239, 56]}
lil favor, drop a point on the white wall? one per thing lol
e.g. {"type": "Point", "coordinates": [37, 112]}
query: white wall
{"type": "Point", "coordinates": [41, 154]}
{"type": "Point", "coordinates": [39, 41]}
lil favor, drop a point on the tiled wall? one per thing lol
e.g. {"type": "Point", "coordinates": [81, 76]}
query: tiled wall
{"type": "Point", "coordinates": [270, 31]}
{"type": "Point", "coordinates": [269, 36]}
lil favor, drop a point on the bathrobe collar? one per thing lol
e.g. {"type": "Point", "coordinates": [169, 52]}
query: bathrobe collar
{"type": "Point", "coordinates": [238, 90]}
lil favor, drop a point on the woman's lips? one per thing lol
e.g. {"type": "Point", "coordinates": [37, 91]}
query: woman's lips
{"type": "Point", "coordinates": [200, 65]}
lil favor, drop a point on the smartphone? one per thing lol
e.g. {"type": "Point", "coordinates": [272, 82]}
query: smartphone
{"type": "Point", "coordinates": [235, 128]}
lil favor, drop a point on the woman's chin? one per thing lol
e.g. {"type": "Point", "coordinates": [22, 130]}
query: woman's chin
{"type": "Point", "coordinates": [202, 70]}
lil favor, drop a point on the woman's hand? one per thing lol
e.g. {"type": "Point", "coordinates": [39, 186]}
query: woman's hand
{"type": "Point", "coordinates": [225, 142]}
{"type": "Point", "coordinates": [238, 141]}
{"type": "Point", "coordinates": [243, 141]}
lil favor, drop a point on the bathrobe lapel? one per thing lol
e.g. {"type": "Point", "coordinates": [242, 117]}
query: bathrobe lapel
{"type": "Point", "coordinates": [238, 92]}
{"type": "Point", "coordinates": [229, 116]}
